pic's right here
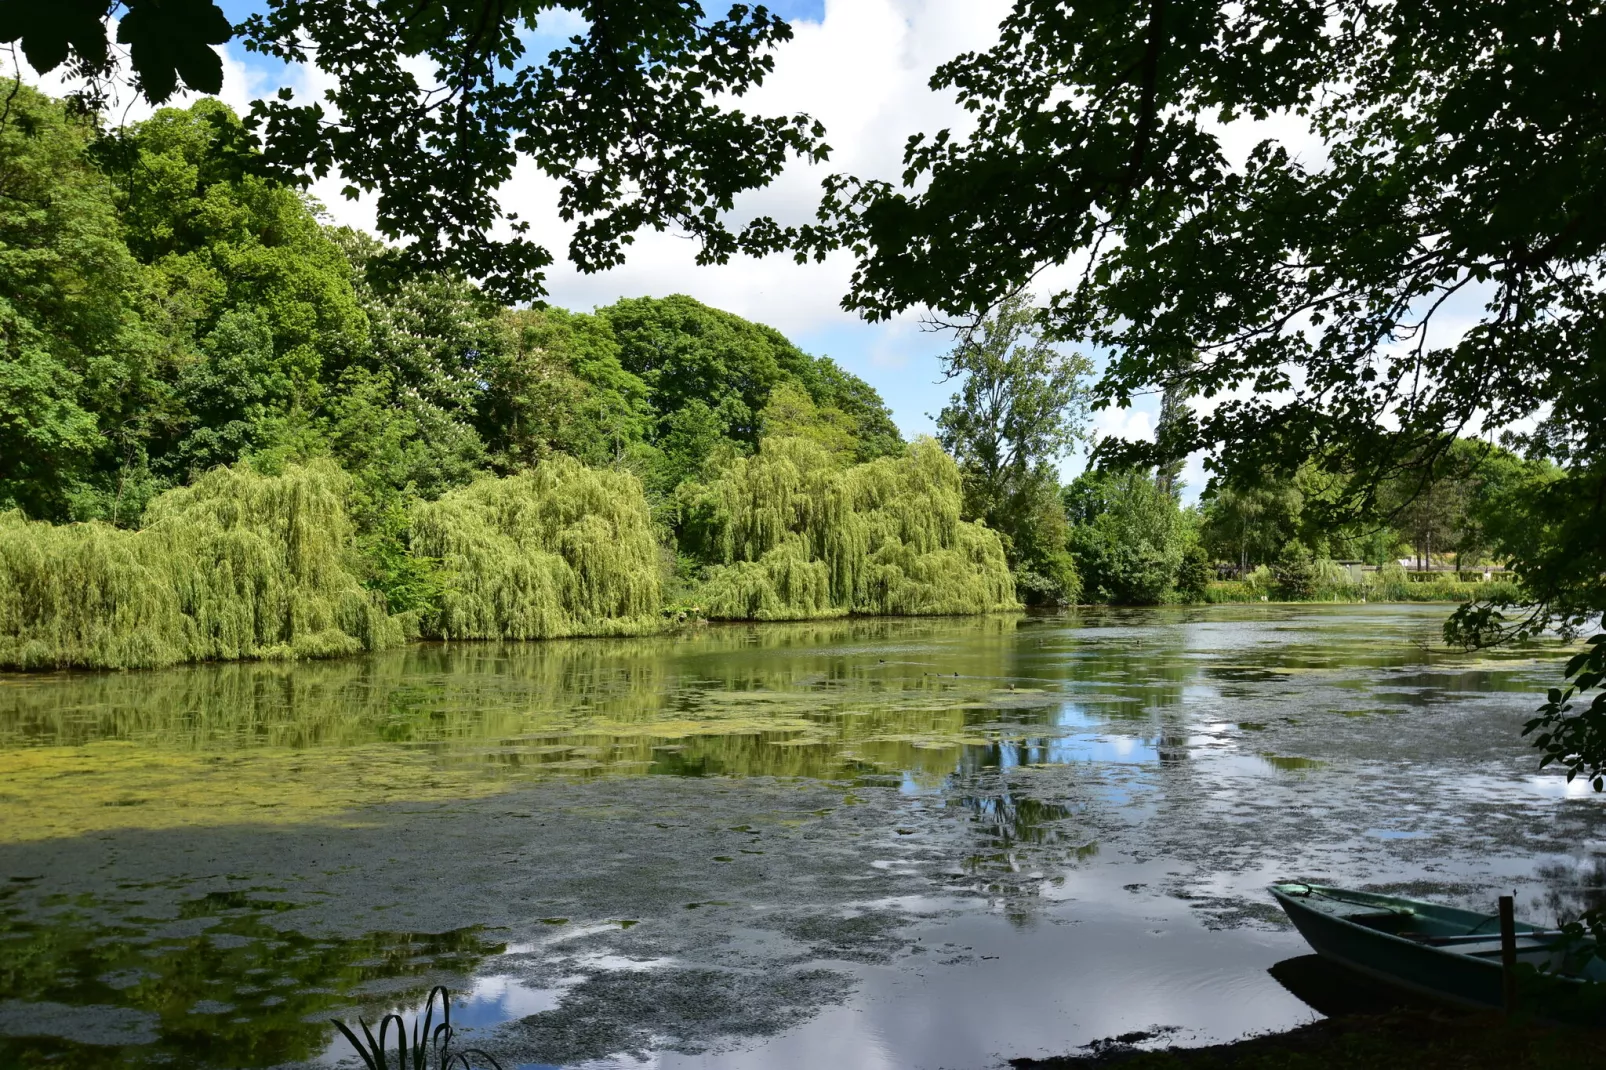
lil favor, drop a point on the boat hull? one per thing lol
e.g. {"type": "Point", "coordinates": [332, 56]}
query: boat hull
{"type": "Point", "coordinates": [1457, 979]}
{"type": "Point", "coordinates": [1447, 954]}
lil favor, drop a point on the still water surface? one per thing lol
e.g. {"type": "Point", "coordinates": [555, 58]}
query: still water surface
{"type": "Point", "coordinates": [911, 843]}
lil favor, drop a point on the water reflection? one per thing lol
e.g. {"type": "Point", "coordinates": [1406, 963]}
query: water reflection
{"type": "Point", "coordinates": [1331, 990]}
{"type": "Point", "coordinates": [282, 742]}
{"type": "Point", "coordinates": [1572, 887]}
{"type": "Point", "coordinates": [222, 986]}
{"type": "Point", "coordinates": [1006, 758]}
{"type": "Point", "coordinates": [921, 700]}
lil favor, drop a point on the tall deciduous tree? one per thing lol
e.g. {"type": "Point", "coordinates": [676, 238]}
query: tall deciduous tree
{"type": "Point", "coordinates": [1250, 525]}
{"type": "Point", "coordinates": [710, 374]}
{"type": "Point", "coordinates": [555, 385]}
{"type": "Point", "coordinates": [1127, 536]}
{"type": "Point", "coordinates": [1020, 407]}
{"type": "Point", "coordinates": [1171, 425]}
{"type": "Point", "coordinates": [76, 354]}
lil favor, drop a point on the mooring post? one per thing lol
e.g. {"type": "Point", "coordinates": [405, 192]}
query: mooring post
{"type": "Point", "coordinates": [1508, 952]}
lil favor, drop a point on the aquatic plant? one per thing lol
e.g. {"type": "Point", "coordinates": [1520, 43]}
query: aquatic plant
{"type": "Point", "coordinates": [559, 550]}
{"type": "Point", "coordinates": [425, 1041]}
{"type": "Point", "coordinates": [238, 565]}
{"type": "Point", "coordinates": [793, 534]}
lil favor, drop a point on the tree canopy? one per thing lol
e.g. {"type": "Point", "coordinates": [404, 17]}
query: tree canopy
{"type": "Point", "coordinates": [433, 104]}
{"type": "Point", "coordinates": [172, 318]}
{"type": "Point", "coordinates": [1021, 405]}
{"type": "Point", "coordinates": [1420, 261]}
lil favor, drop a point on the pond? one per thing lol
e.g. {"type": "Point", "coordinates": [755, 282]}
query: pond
{"type": "Point", "coordinates": [912, 843]}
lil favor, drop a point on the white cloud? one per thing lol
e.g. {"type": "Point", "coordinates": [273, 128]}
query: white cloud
{"type": "Point", "coordinates": [1132, 425]}
{"type": "Point", "coordinates": [862, 71]}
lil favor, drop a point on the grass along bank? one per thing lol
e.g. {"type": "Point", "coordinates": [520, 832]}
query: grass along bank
{"type": "Point", "coordinates": [1329, 582]}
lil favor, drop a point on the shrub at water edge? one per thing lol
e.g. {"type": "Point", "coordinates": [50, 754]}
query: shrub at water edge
{"type": "Point", "coordinates": [238, 565]}
{"type": "Point", "coordinates": [560, 550]}
{"type": "Point", "coordinates": [793, 534]}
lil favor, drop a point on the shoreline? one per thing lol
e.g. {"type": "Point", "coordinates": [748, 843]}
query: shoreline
{"type": "Point", "coordinates": [671, 627]}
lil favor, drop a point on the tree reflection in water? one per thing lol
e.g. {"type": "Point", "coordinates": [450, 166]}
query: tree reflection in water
{"type": "Point", "coordinates": [240, 992]}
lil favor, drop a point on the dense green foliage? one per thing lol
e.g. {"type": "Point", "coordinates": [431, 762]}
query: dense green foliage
{"type": "Point", "coordinates": [69, 329]}
{"type": "Point", "coordinates": [708, 377]}
{"type": "Point", "coordinates": [431, 104]}
{"type": "Point", "coordinates": [554, 384]}
{"type": "Point", "coordinates": [559, 550]}
{"type": "Point", "coordinates": [794, 533]}
{"type": "Point", "coordinates": [1133, 543]}
{"type": "Point", "coordinates": [1463, 512]}
{"type": "Point", "coordinates": [237, 565]}
{"type": "Point", "coordinates": [526, 473]}
{"type": "Point", "coordinates": [1128, 537]}
{"type": "Point", "coordinates": [1020, 407]}
{"type": "Point", "coordinates": [166, 312]}
{"type": "Point", "coordinates": [167, 309]}
{"type": "Point", "coordinates": [174, 321]}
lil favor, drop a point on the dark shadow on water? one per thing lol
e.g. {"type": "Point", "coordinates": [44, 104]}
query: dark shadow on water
{"type": "Point", "coordinates": [1333, 991]}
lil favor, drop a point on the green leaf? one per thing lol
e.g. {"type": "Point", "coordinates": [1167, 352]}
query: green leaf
{"type": "Point", "coordinates": [50, 29]}
{"type": "Point", "coordinates": [169, 40]}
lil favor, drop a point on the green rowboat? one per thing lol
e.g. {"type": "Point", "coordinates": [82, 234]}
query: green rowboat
{"type": "Point", "coordinates": [1437, 951]}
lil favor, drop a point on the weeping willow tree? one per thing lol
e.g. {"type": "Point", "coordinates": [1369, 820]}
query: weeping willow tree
{"type": "Point", "coordinates": [560, 550]}
{"type": "Point", "coordinates": [793, 534]}
{"type": "Point", "coordinates": [238, 565]}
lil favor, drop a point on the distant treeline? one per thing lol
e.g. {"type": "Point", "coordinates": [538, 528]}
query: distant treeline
{"type": "Point", "coordinates": [1278, 538]}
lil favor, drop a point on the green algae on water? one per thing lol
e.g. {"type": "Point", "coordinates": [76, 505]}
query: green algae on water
{"type": "Point", "coordinates": [1291, 764]}
{"type": "Point", "coordinates": [275, 743]}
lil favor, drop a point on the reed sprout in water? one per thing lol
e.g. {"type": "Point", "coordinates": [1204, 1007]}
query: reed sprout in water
{"type": "Point", "coordinates": [427, 1041]}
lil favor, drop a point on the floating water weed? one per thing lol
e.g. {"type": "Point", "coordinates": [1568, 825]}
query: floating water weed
{"type": "Point", "coordinates": [425, 1041]}
{"type": "Point", "coordinates": [238, 565]}
{"type": "Point", "coordinates": [558, 551]}
{"type": "Point", "coordinates": [793, 535]}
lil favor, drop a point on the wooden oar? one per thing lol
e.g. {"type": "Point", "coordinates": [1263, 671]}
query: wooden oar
{"type": "Point", "coordinates": [1484, 938]}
